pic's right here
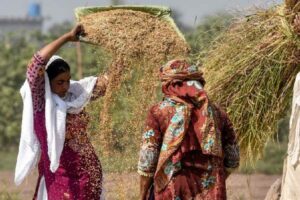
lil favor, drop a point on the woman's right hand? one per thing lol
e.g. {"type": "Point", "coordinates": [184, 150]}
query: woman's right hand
{"type": "Point", "coordinates": [74, 34]}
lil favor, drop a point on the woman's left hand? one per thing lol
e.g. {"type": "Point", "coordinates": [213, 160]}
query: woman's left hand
{"type": "Point", "coordinates": [74, 34]}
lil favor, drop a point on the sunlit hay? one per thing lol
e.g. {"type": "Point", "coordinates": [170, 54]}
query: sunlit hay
{"type": "Point", "coordinates": [139, 43]}
{"type": "Point", "coordinates": [133, 34]}
{"type": "Point", "coordinates": [250, 71]}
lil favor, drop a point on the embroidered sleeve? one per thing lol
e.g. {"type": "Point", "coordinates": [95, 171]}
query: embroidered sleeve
{"type": "Point", "coordinates": [100, 88]}
{"type": "Point", "coordinates": [150, 147]}
{"type": "Point", "coordinates": [35, 78]}
{"type": "Point", "coordinates": [230, 143]}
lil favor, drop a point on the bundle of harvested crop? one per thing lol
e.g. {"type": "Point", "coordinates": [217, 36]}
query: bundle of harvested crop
{"type": "Point", "coordinates": [250, 70]}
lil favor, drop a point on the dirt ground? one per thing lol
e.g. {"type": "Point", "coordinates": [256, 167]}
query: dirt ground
{"type": "Point", "coordinates": [125, 186]}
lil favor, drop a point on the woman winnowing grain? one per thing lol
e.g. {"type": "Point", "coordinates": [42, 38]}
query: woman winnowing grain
{"type": "Point", "coordinates": [54, 127]}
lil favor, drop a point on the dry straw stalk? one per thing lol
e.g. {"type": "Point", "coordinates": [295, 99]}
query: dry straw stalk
{"type": "Point", "coordinates": [250, 71]}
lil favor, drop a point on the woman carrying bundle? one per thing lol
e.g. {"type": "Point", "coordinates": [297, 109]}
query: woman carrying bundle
{"type": "Point", "coordinates": [54, 127]}
{"type": "Point", "coordinates": [189, 146]}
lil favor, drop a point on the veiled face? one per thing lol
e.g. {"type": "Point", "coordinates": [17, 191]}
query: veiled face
{"type": "Point", "coordinates": [61, 83]}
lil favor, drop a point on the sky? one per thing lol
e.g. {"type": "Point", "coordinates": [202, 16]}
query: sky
{"type": "Point", "coordinates": [191, 11]}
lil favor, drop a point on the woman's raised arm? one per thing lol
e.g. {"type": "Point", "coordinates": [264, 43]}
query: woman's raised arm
{"type": "Point", "coordinates": [72, 36]}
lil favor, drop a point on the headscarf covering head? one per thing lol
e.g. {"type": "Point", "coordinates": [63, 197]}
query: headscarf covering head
{"type": "Point", "coordinates": [180, 70]}
{"type": "Point", "coordinates": [55, 66]}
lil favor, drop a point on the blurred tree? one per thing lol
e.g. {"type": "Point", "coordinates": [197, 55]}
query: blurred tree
{"type": "Point", "coordinates": [14, 55]}
{"type": "Point", "coordinates": [58, 29]}
{"type": "Point", "coordinates": [208, 30]}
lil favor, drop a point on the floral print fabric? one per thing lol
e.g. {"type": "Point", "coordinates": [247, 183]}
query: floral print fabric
{"type": "Point", "coordinates": [188, 142]}
{"type": "Point", "coordinates": [79, 175]}
{"type": "Point", "coordinates": [207, 171]}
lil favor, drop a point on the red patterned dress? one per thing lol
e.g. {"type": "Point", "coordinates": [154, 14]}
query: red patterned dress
{"type": "Point", "coordinates": [187, 148]}
{"type": "Point", "coordinates": [79, 175]}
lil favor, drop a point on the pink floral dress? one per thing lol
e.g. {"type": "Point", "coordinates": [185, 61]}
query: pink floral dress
{"type": "Point", "coordinates": [79, 175]}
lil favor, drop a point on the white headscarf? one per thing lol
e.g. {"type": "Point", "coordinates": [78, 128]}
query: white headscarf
{"type": "Point", "coordinates": [56, 109]}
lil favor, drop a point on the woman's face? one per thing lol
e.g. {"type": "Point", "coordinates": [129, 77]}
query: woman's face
{"type": "Point", "coordinates": [61, 83]}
